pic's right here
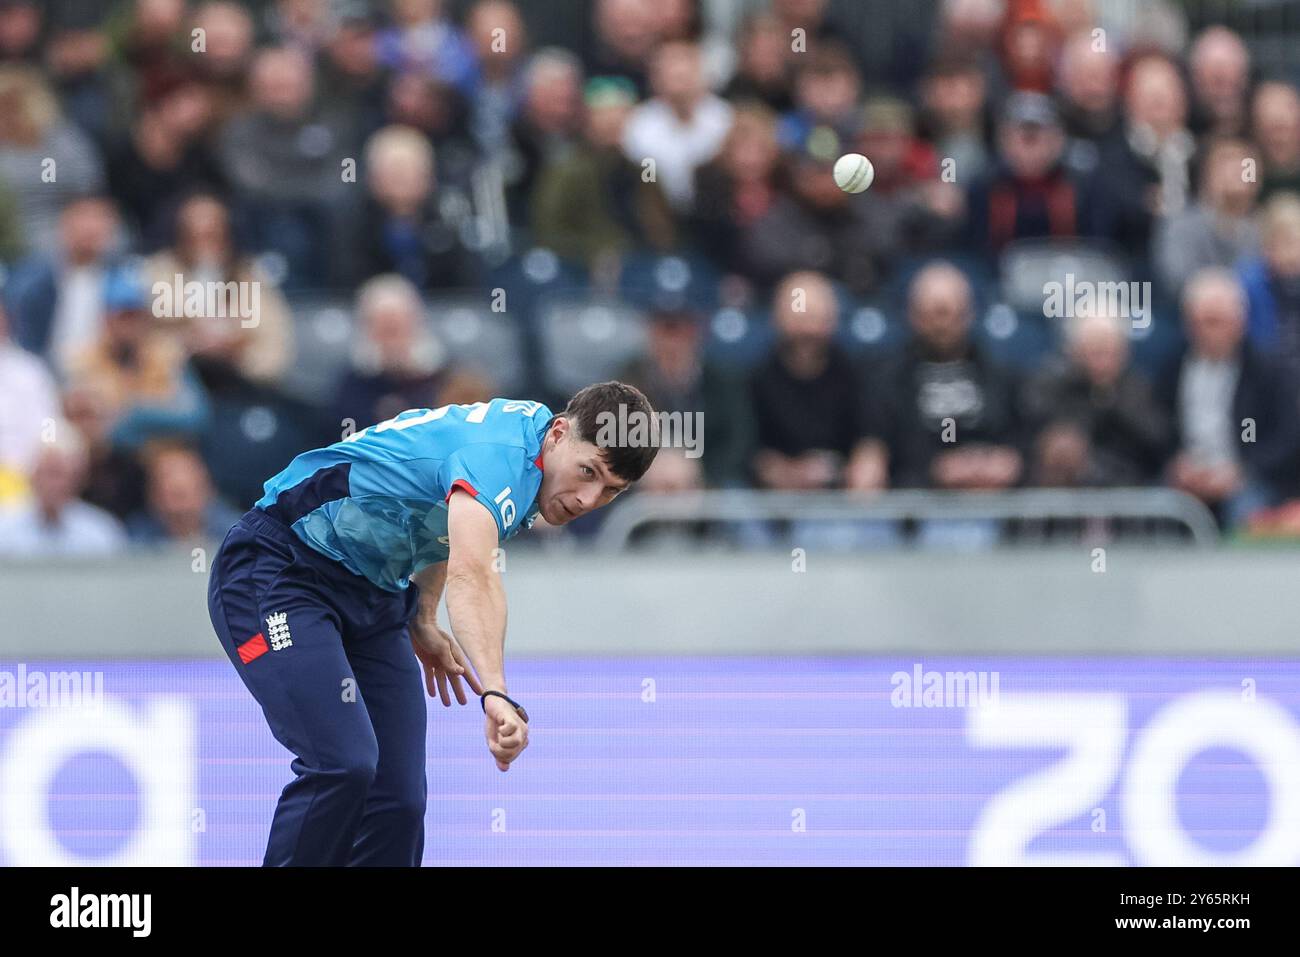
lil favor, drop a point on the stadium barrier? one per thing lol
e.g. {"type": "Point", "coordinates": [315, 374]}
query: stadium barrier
{"type": "Point", "coordinates": [1141, 505]}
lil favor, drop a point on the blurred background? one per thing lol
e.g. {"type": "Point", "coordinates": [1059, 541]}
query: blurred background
{"type": "Point", "coordinates": [917, 439]}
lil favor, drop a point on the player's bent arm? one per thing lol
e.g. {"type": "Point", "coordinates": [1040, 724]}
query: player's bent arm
{"type": "Point", "coordinates": [476, 598]}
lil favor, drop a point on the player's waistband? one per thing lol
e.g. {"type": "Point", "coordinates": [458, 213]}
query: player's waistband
{"type": "Point", "coordinates": [267, 523]}
{"type": "Point", "coordinates": [260, 520]}
{"type": "Point", "coordinates": [351, 587]}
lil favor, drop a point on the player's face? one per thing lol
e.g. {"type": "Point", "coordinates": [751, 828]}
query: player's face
{"type": "Point", "coordinates": [576, 480]}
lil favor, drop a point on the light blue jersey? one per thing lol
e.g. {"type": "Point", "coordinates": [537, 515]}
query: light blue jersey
{"type": "Point", "coordinates": [377, 501]}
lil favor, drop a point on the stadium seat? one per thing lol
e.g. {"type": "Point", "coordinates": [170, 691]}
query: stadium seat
{"type": "Point", "coordinates": [892, 297]}
{"type": "Point", "coordinates": [586, 339]}
{"type": "Point", "coordinates": [530, 275]}
{"type": "Point", "coordinates": [254, 434]}
{"type": "Point", "coordinates": [867, 328]}
{"type": "Point", "coordinates": [1019, 340]}
{"type": "Point", "coordinates": [1157, 345]}
{"type": "Point", "coordinates": [1028, 266]}
{"type": "Point", "coordinates": [738, 338]}
{"type": "Point", "coordinates": [476, 337]}
{"type": "Point", "coordinates": [323, 330]}
{"type": "Point", "coordinates": [648, 280]}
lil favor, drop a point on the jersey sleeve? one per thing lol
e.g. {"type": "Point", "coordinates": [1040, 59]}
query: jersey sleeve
{"type": "Point", "coordinates": [490, 472]}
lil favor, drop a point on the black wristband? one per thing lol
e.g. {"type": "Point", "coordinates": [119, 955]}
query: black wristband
{"type": "Point", "coordinates": [501, 694]}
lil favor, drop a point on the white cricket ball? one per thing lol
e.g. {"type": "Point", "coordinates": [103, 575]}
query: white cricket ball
{"type": "Point", "coordinates": [853, 172]}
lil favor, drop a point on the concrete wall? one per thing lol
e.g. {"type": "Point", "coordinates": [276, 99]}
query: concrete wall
{"type": "Point", "coordinates": [1194, 603]}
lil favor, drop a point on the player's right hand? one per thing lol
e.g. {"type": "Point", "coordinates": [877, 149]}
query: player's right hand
{"type": "Point", "coordinates": [442, 661]}
{"type": "Point", "coordinates": [506, 731]}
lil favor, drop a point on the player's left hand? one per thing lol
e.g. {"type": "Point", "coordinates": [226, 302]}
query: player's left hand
{"type": "Point", "coordinates": [443, 662]}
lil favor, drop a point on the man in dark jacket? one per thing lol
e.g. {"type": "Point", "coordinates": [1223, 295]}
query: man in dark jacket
{"type": "Point", "coordinates": [1032, 194]}
{"type": "Point", "coordinates": [811, 427]}
{"type": "Point", "coordinates": [1234, 414]}
{"type": "Point", "coordinates": [1095, 420]}
{"type": "Point", "coordinates": [948, 413]}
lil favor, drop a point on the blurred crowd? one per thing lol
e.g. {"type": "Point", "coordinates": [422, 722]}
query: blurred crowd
{"type": "Point", "coordinates": [388, 152]}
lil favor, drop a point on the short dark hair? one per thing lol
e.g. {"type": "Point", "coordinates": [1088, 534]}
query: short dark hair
{"type": "Point", "coordinates": [590, 410]}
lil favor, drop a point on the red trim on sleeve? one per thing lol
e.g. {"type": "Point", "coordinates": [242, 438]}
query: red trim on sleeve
{"type": "Point", "coordinates": [255, 647]}
{"type": "Point", "coordinates": [460, 483]}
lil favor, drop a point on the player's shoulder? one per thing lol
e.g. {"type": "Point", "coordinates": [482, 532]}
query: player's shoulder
{"type": "Point", "coordinates": [511, 428]}
{"type": "Point", "coordinates": [516, 421]}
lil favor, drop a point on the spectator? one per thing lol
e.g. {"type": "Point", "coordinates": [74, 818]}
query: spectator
{"type": "Point", "coordinates": [968, 29]}
{"type": "Point", "coordinates": [685, 20]}
{"type": "Point", "coordinates": [827, 92]}
{"type": "Point", "coordinates": [948, 413]}
{"type": "Point", "coordinates": [763, 71]}
{"type": "Point", "coordinates": [285, 164]}
{"type": "Point", "coordinates": [221, 67]}
{"type": "Point", "coordinates": [1147, 169]}
{"type": "Point", "coordinates": [1220, 72]}
{"type": "Point", "coordinates": [592, 200]}
{"type": "Point", "coordinates": [954, 93]}
{"type": "Point", "coordinates": [501, 43]}
{"type": "Point", "coordinates": [1236, 418]}
{"type": "Point", "coordinates": [809, 17]}
{"type": "Point", "coordinates": [682, 127]}
{"type": "Point", "coordinates": [423, 40]}
{"type": "Point", "coordinates": [139, 369]}
{"type": "Point", "coordinates": [115, 479]}
{"type": "Point", "coordinates": [811, 426]}
{"type": "Point", "coordinates": [917, 210]}
{"type": "Point", "coordinates": [1030, 42]}
{"type": "Point", "coordinates": [736, 188]}
{"type": "Point", "coordinates": [626, 32]}
{"type": "Point", "coordinates": [1032, 194]}
{"type": "Point", "coordinates": [676, 376]}
{"type": "Point", "coordinates": [399, 227]}
{"type": "Point", "coordinates": [550, 123]}
{"type": "Point", "coordinates": [54, 522]}
{"type": "Point", "coordinates": [241, 326]}
{"type": "Point", "coordinates": [1276, 123]}
{"type": "Point", "coordinates": [150, 50]}
{"type": "Point", "coordinates": [814, 225]}
{"type": "Point", "coordinates": [76, 58]}
{"type": "Point", "coordinates": [398, 363]}
{"type": "Point", "coordinates": [304, 25]}
{"type": "Point", "coordinates": [157, 164]}
{"type": "Point", "coordinates": [28, 403]}
{"type": "Point", "coordinates": [1219, 228]}
{"type": "Point", "coordinates": [21, 24]}
{"type": "Point", "coordinates": [438, 111]}
{"type": "Point", "coordinates": [351, 81]}
{"type": "Point", "coordinates": [1094, 417]}
{"type": "Point", "coordinates": [1272, 282]}
{"type": "Point", "coordinates": [1089, 97]}
{"type": "Point", "coordinates": [44, 159]}
{"type": "Point", "coordinates": [182, 506]}
{"type": "Point", "coordinates": [57, 300]}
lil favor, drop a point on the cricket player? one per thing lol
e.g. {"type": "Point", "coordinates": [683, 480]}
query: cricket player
{"type": "Point", "coordinates": [325, 598]}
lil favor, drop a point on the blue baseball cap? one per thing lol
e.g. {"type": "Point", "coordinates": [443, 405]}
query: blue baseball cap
{"type": "Point", "coordinates": [124, 291]}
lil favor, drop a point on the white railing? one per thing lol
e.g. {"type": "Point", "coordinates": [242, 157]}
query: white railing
{"type": "Point", "coordinates": [740, 505]}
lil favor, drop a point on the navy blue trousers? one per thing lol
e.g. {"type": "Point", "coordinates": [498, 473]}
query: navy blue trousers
{"type": "Point", "coordinates": [328, 657]}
